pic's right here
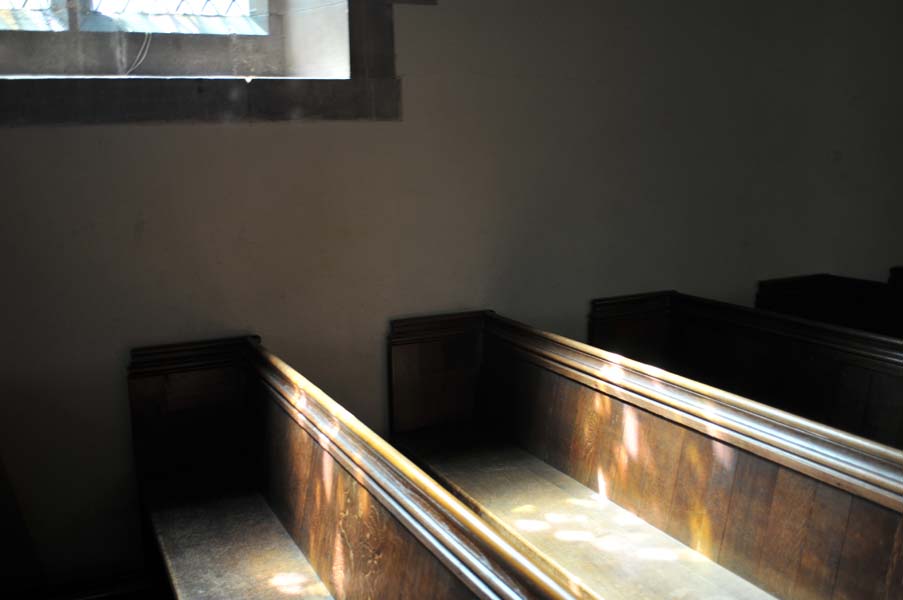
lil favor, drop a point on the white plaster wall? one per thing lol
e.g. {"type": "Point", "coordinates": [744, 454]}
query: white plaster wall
{"type": "Point", "coordinates": [550, 152]}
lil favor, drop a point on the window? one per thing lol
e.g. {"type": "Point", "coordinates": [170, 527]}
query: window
{"type": "Point", "coordinates": [175, 38]}
{"type": "Point", "coordinates": [219, 17]}
{"type": "Point", "coordinates": [215, 17]}
{"type": "Point", "coordinates": [33, 15]}
{"type": "Point", "coordinates": [108, 61]}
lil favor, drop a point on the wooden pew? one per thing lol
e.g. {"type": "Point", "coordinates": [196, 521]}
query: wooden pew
{"type": "Point", "coordinates": [847, 378]}
{"type": "Point", "coordinates": [258, 485]}
{"type": "Point", "coordinates": [896, 278]}
{"type": "Point", "coordinates": [858, 303]}
{"type": "Point", "coordinates": [556, 443]}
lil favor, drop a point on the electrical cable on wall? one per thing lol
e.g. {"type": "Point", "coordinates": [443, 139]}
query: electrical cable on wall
{"type": "Point", "coordinates": [142, 54]}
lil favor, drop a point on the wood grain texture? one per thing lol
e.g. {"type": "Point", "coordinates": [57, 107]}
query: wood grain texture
{"type": "Point", "coordinates": [785, 531]}
{"type": "Point", "coordinates": [823, 540]}
{"type": "Point", "coordinates": [354, 544]}
{"type": "Point", "coordinates": [702, 495]}
{"type": "Point", "coordinates": [443, 365]}
{"type": "Point", "coordinates": [443, 526]}
{"type": "Point", "coordinates": [894, 580]}
{"type": "Point", "coordinates": [745, 535]}
{"type": "Point", "coordinates": [865, 559]}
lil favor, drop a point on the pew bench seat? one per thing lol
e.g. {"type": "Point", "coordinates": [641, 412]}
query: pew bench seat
{"type": "Point", "coordinates": [232, 547]}
{"type": "Point", "coordinates": [610, 551]}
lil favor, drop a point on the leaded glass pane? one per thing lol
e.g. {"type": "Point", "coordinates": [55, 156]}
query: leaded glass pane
{"type": "Point", "coordinates": [213, 17]}
{"type": "Point", "coordinates": [33, 15]}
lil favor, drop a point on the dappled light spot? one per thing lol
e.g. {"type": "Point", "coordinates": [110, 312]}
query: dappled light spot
{"type": "Point", "coordinates": [531, 525]}
{"type": "Point", "coordinates": [623, 460]}
{"type": "Point", "coordinates": [563, 518]}
{"type": "Point", "coordinates": [602, 406]}
{"type": "Point", "coordinates": [327, 477]}
{"type": "Point", "coordinates": [338, 564]}
{"type": "Point", "coordinates": [626, 519]}
{"type": "Point", "coordinates": [363, 503]}
{"type": "Point", "coordinates": [657, 554]}
{"type": "Point", "coordinates": [723, 455]}
{"type": "Point", "coordinates": [290, 584]}
{"type": "Point", "coordinates": [594, 501]}
{"type": "Point", "coordinates": [613, 373]}
{"type": "Point", "coordinates": [609, 543]}
{"type": "Point", "coordinates": [631, 433]}
{"type": "Point", "coordinates": [602, 484]}
{"type": "Point", "coordinates": [333, 428]}
{"type": "Point", "coordinates": [571, 535]}
{"type": "Point", "coordinates": [590, 536]}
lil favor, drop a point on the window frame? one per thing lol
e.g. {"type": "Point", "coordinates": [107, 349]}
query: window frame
{"type": "Point", "coordinates": [372, 93]}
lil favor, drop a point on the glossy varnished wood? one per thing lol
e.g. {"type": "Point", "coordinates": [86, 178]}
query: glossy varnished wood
{"type": "Point", "coordinates": [784, 502]}
{"type": "Point", "coordinates": [359, 549]}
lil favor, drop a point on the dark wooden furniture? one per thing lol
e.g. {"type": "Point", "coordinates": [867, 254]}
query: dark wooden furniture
{"type": "Point", "coordinates": [896, 278]}
{"type": "Point", "coordinates": [20, 571]}
{"type": "Point", "coordinates": [799, 509]}
{"type": "Point", "coordinates": [858, 303]}
{"type": "Point", "coordinates": [262, 486]}
{"type": "Point", "coordinates": [847, 378]}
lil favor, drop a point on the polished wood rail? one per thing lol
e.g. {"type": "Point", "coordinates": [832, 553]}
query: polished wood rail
{"type": "Point", "coordinates": [225, 419]}
{"type": "Point", "coordinates": [798, 508]}
{"type": "Point", "coordinates": [846, 378]}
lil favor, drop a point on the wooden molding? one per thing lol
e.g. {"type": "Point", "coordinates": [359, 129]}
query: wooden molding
{"type": "Point", "coordinates": [173, 358]}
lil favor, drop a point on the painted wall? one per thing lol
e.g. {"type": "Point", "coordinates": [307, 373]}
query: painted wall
{"type": "Point", "coordinates": [550, 152]}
